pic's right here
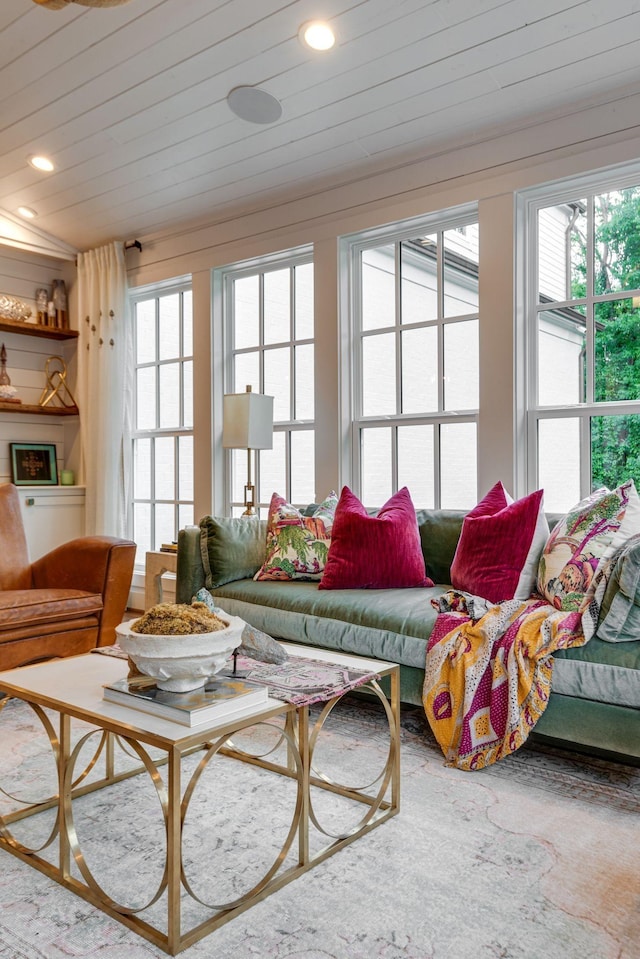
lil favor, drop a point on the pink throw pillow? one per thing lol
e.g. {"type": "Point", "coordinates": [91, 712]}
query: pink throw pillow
{"type": "Point", "coordinates": [500, 546]}
{"type": "Point", "coordinates": [375, 552]}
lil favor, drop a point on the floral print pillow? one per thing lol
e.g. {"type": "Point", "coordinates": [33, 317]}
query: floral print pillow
{"type": "Point", "coordinates": [581, 544]}
{"type": "Point", "coordinates": [297, 545]}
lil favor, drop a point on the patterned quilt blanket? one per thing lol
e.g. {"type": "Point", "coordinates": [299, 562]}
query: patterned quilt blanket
{"type": "Point", "coordinates": [488, 673]}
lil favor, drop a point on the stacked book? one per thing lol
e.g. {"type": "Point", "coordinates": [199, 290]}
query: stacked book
{"type": "Point", "coordinates": [221, 697]}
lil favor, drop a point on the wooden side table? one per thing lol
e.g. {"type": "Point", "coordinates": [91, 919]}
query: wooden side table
{"type": "Point", "coordinates": [156, 565]}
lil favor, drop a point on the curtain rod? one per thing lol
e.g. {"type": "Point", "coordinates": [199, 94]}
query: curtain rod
{"type": "Point", "coordinates": [130, 244]}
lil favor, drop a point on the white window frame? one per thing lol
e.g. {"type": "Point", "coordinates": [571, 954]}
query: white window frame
{"type": "Point", "coordinates": [156, 291]}
{"type": "Point", "coordinates": [224, 279]}
{"type": "Point", "coordinates": [352, 247]}
{"type": "Point", "coordinates": [529, 204]}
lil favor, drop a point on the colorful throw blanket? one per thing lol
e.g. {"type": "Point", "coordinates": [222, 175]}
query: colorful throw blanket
{"type": "Point", "coordinates": [488, 673]}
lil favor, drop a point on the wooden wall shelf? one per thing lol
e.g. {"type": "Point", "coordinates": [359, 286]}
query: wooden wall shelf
{"type": "Point", "coordinates": [39, 410]}
{"type": "Point", "coordinates": [34, 329]}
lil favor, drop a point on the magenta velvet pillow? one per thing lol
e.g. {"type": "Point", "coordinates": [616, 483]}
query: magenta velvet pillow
{"type": "Point", "coordinates": [500, 546]}
{"type": "Point", "coordinates": [374, 552]}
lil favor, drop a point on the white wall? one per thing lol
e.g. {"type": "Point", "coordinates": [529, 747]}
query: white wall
{"type": "Point", "coordinates": [21, 273]}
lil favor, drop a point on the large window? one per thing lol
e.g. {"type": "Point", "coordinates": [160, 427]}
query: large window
{"type": "Point", "coordinates": [269, 323]}
{"type": "Point", "coordinates": [584, 309]}
{"type": "Point", "coordinates": [415, 310]}
{"type": "Point", "coordinates": [163, 422]}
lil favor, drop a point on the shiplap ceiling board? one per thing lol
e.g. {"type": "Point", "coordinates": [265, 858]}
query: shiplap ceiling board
{"type": "Point", "coordinates": [130, 101]}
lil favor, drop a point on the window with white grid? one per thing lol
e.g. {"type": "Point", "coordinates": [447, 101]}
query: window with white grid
{"type": "Point", "coordinates": [584, 338]}
{"type": "Point", "coordinates": [415, 370]}
{"type": "Point", "coordinates": [270, 335]}
{"type": "Point", "coordinates": [163, 420]}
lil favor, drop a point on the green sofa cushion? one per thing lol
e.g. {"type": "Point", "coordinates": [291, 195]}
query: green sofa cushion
{"type": "Point", "coordinates": [604, 672]}
{"type": "Point", "coordinates": [390, 624]}
{"type": "Point", "coordinates": [231, 548]}
{"type": "Point", "coordinates": [620, 613]}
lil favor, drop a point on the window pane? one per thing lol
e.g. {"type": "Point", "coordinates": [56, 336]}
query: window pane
{"type": "Point", "coordinates": [142, 469]}
{"type": "Point", "coordinates": [185, 516]}
{"type": "Point", "coordinates": [169, 327]}
{"type": "Point", "coordinates": [185, 467]}
{"type": "Point", "coordinates": [617, 241]}
{"type": "Point", "coordinates": [559, 463]}
{"type": "Point", "coordinates": [187, 323]}
{"type": "Point", "coordinates": [461, 366]}
{"type": "Point", "coordinates": [617, 359]}
{"type": "Point", "coordinates": [378, 288]}
{"type": "Point", "coordinates": [562, 248]}
{"type": "Point", "coordinates": [379, 375]}
{"type": "Point", "coordinates": [615, 450]}
{"type": "Point", "coordinates": [561, 366]}
{"type": "Point", "coordinates": [277, 379]}
{"type": "Point", "coordinates": [303, 467]}
{"type": "Point", "coordinates": [146, 399]}
{"type": "Point", "coordinates": [146, 331]}
{"type": "Point", "coordinates": [304, 383]}
{"type": "Point", "coordinates": [246, 311]}
{"type": "Point", "coordinates": [277, 306]}
{"type": "Point", "coordinates": [187, 398]}
{"type": "Point", "coordinates": [376, 479]}
{"type": "Point", "coordinates": [246, 372]}
{"type": "Point", "coordinates": [239, 474]}
{"type": "Point", "coordinates": [273, 474]}
{"type": "Point", "coordinates": [460, 254]}
{"type": "Point", "coordinates": [165, 531]}
{"type": "Point", "coordinates": [415, 464]}
{"type": "Point", "coordinates": [169, 395]}
{"type": "Point", "coordinates": [419, 284]}
{"type": "Point", "coordinates": [420, 370]}
{"type": "Point", "coordinates": [165, 467]}
{"type": "Point", "coordinates": [141, 530]}
{"type": "Point", "coordinates": [304, 301]}
{"type": "Point", "coordinates": [458, 466]}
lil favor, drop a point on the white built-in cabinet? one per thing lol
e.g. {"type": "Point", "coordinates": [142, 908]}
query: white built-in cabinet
{"type": "Point", "coordinates": [52, 515]}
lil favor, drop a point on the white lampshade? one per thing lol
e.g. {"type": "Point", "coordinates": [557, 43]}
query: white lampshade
{"type": "Point", "coordinates": [247, 421]}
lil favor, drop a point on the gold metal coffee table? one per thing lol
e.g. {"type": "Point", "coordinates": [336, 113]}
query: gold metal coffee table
{"type": "Point", "coordinates": [62, 691]}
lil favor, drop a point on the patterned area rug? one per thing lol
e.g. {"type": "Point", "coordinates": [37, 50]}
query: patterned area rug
{"type": "Point", "coordinates": [534, 857]}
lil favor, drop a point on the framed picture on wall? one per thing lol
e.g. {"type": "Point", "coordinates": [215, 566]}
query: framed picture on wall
{"type": "Point", "coordinates": [33, 464]}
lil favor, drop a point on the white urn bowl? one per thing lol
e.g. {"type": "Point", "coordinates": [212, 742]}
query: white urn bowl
{"type": "Point", "coordinates": [181, 663]}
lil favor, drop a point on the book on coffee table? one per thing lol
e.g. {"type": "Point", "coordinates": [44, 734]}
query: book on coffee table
{"type": "Point", "coordinates": [222, 696]}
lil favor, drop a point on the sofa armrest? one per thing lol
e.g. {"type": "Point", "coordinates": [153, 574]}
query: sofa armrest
{"type": "Point", "coordinates": [190, 575]}
{"type": "Point", "coordinates": [95, 564]}
{"type": "Point", "coordinates": [620, 611]}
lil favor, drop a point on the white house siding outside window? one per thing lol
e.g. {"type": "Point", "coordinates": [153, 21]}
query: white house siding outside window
{"type": "Point", "coordinates": [269, 325]}
{"type": "Point", "coordinates": [415, 364]}
{"type": "Point", "coordinates": [163, 431]}
{"type": "Point", "coordinates": [584, 345]}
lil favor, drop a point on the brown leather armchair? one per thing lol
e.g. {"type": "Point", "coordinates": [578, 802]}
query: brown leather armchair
{"type": "Point", "coordinates": [66, 602]}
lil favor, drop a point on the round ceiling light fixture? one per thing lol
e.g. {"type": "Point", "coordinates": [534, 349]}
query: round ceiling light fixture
{"type": "Point", "coordinates": [317, 34]}
{"type": "Point", "coordinates": [42, 163]}
{"type": "Point", "coordinates": [254, 105]}
{"type": "Point", "coordinates": [27, 212]}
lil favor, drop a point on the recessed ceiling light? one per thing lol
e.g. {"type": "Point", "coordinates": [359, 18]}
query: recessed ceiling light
{"type": "Point", "coordinates": [27, 212]}
{"type": "Point", "coordinates": [317, 34]}
{"type": "Point", "coordinates": [254, 105]}
{"type": "Point", "coordinates": [41, 163]}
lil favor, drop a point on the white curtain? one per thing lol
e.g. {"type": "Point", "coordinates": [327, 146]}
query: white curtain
{"type": "Point", "coordinates": [105, 375]}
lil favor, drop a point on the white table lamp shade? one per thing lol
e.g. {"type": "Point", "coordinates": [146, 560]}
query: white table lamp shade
{"type": "Point", "coordinates": [247, 421]}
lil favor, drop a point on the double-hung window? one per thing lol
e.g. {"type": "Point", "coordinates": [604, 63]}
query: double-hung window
{"type": "Point", "coordinates": [584, 324]}
{"type": "Point", "coordinates": [163, 419]}
{"type": "Point", "coordinates": [415, 364]}
{"type": "Point", "coordinates": [269, 327]}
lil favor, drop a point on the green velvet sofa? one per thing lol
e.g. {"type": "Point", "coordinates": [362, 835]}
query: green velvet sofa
{"type": "Point", "coordinates": [595, 703]}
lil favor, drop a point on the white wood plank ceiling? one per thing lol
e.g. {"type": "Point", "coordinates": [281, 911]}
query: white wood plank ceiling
{"type": "Point", "coordinates": [130, 102]}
